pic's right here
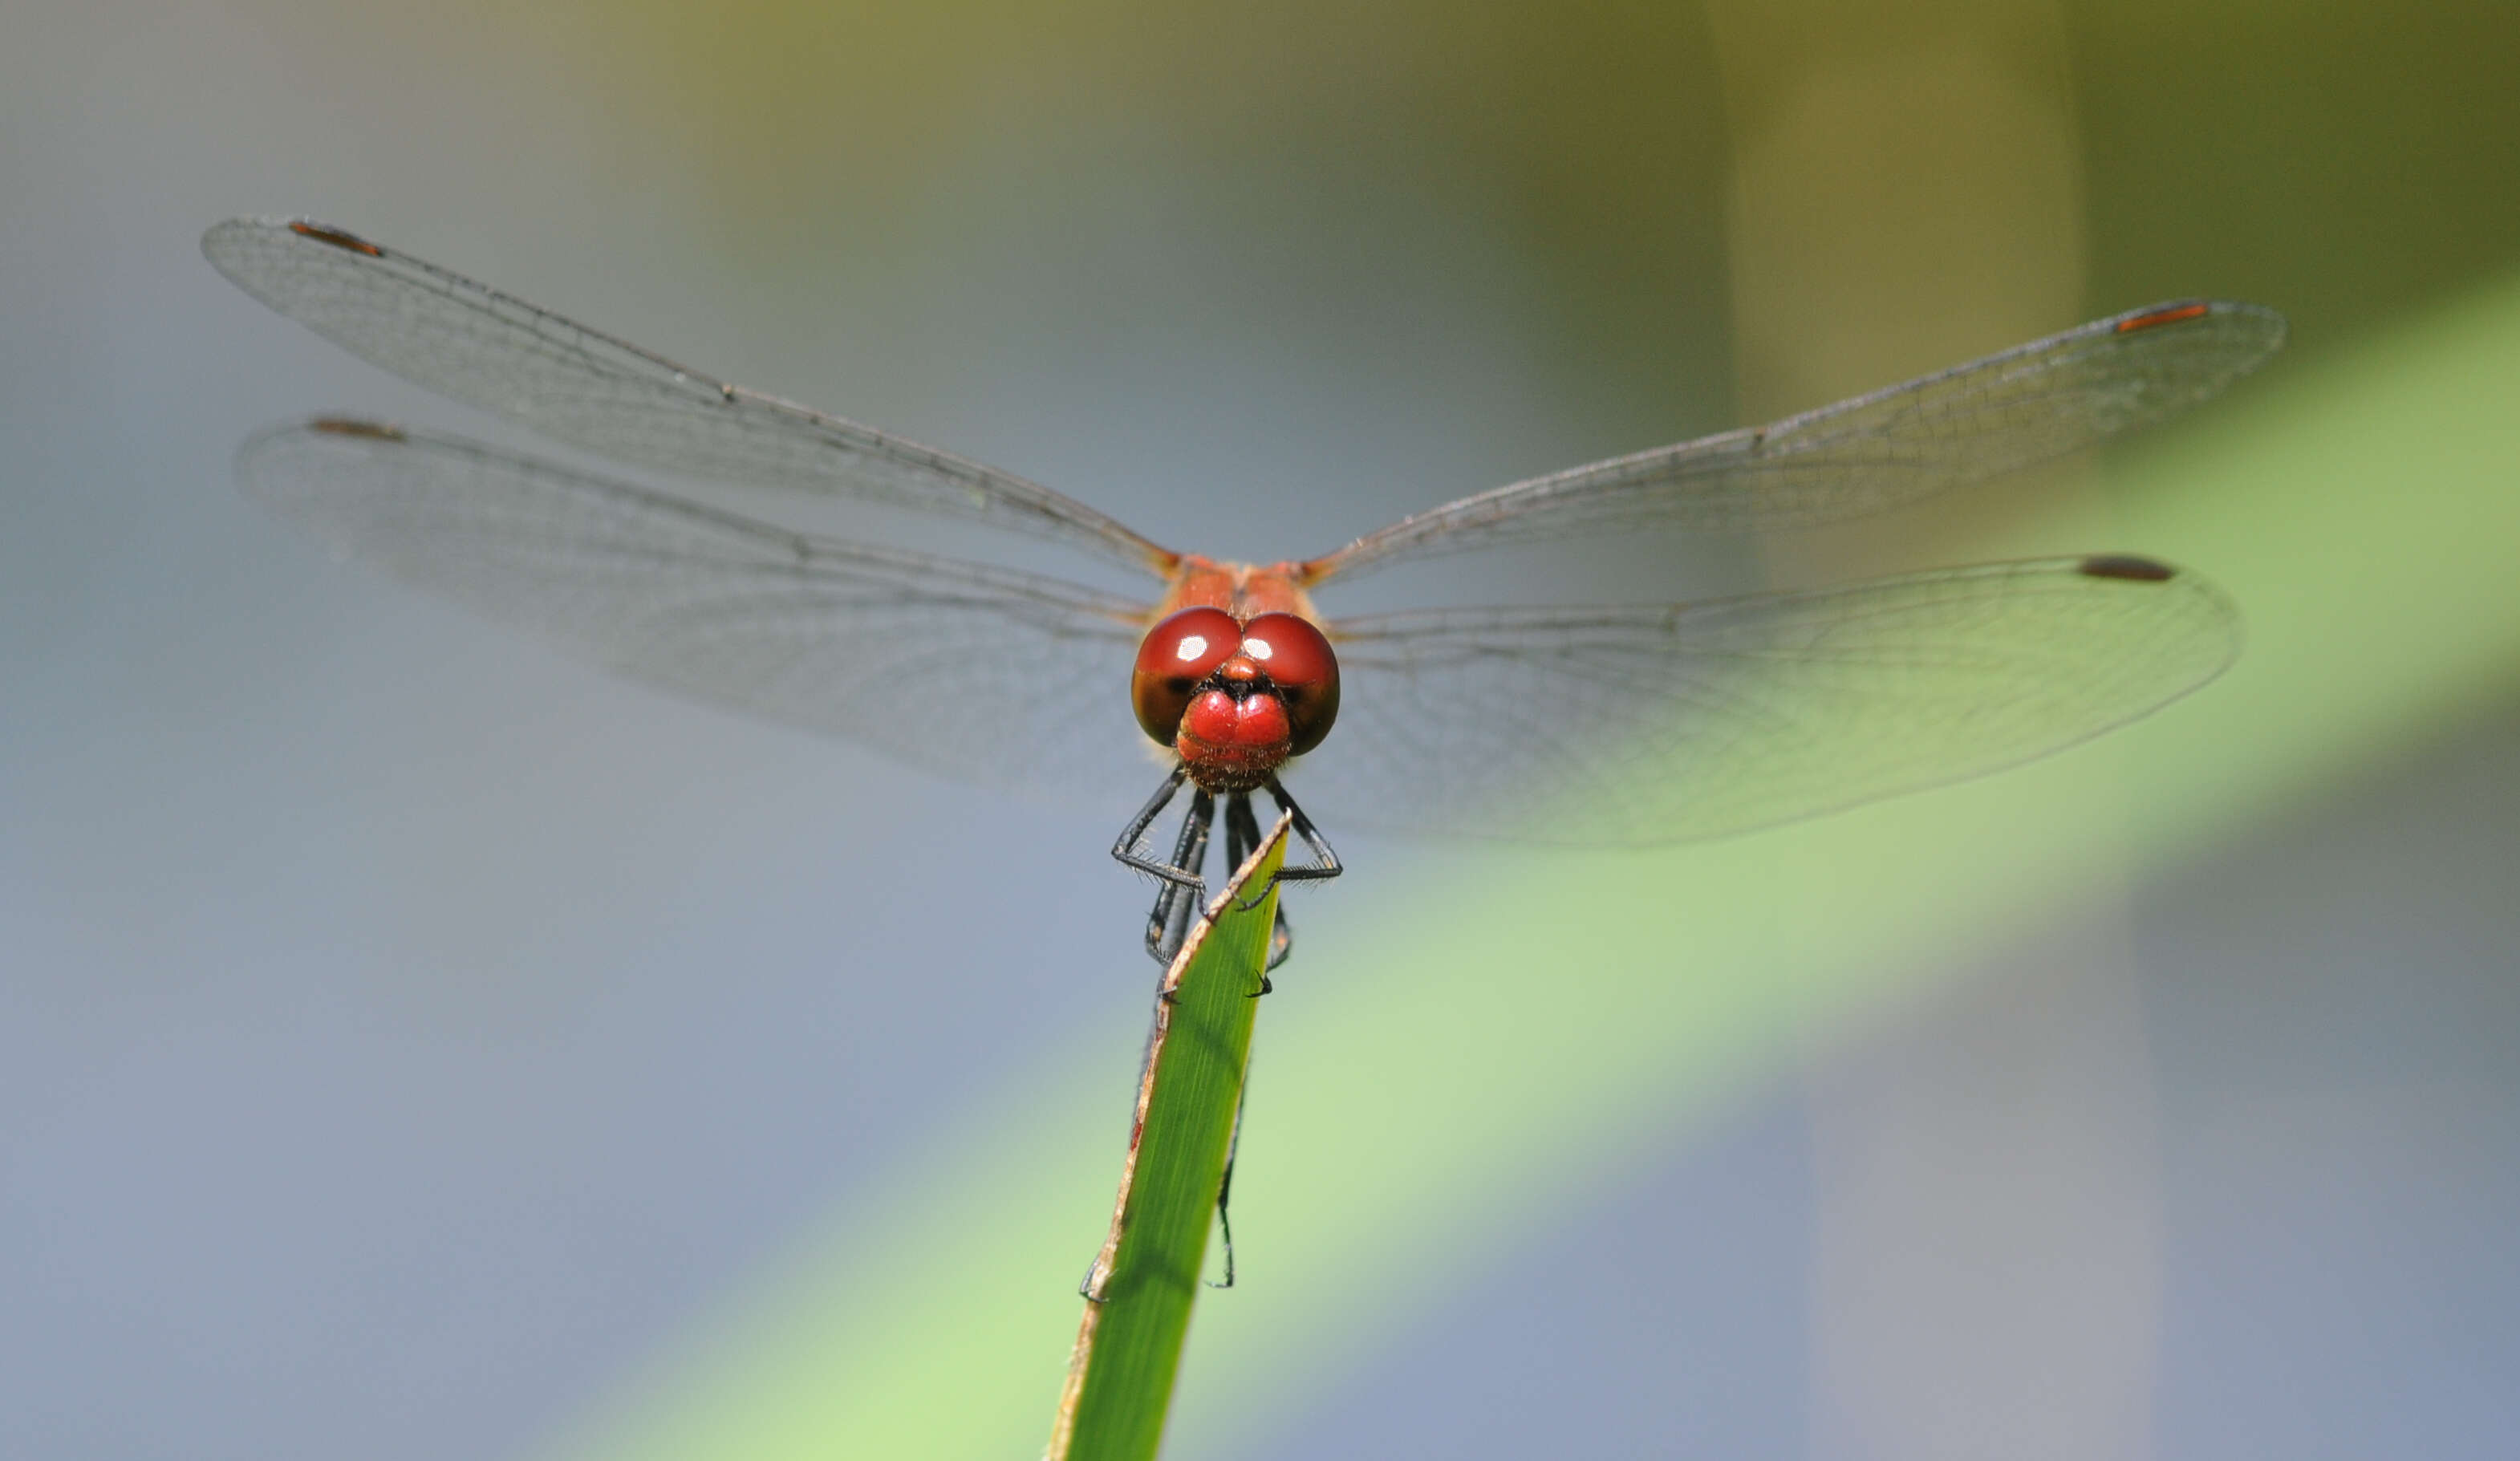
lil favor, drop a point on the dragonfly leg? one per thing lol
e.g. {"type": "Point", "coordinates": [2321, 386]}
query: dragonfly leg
{"type": "Point", "coordinates": [1325, 864]}
{"type": "Point", "coordinates": [1224, 1184]}
{"type": "Point", "coordinates": [1126, 849]}
{"type": "Point", "coordinates": [1241, 840]}
{"type": "Point", "coordinates": [1177, 903]}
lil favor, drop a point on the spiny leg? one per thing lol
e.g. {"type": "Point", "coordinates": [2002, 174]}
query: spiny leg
{"type": "Point", "coordinates": [1325, 864]}
{"type": "Point", "coordinates": [1241, 840]}
{"type": "Point", "coordinates": [1169, 923]}
{"type": "Point", "coordinates": [1126, 849]}
{"type": "Point", "coordinates": [1177, 903]}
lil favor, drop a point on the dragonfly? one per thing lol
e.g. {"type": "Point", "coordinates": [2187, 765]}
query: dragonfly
{"type": "Point", "coordinates": [1627, 725]}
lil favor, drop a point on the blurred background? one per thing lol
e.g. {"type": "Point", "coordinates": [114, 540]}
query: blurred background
{"type": "Point", "coordinates": [415, 1045]}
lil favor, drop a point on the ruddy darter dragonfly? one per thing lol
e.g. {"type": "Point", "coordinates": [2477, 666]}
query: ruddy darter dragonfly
{"type": "Point", "coordinates": [1628, 725]}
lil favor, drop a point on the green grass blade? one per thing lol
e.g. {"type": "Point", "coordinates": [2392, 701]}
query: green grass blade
{"type": "Point", "coordinates": [1120, 1379]}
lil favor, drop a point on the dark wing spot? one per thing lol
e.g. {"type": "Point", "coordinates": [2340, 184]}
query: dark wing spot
{"type": "Point", "coordinates": [2167, 314]}
{"type": "Point", "coordinates": [343, 425]}
{"type": "Point", "coordinates": [2128, 566]}
{"type": "Point", "coordinates": [323, 234]}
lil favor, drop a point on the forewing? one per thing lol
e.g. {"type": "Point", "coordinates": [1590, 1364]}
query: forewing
{"type": "Point", "coordinates": [473, 343]}
{"type": "Point", "coordinates": [1646, 725]}
{"type": "Point", "coordinates": [2025, 405]}
{"type": "Point", "coordinates": [977, 674]}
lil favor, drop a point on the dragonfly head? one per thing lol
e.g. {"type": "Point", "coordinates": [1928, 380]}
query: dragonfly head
{"type": "Point", "coordinates": [1235, 699]}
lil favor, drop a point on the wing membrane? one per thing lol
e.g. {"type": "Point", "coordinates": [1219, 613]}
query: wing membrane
{"type": "Point", "coordinates": [1645, 725]}
{"type": "Point", "coordinates": [475, 345]}
{"type": "Point", "coordinates": [977, 674]}
{"type": "Point", "coordinates": [2025, 405]}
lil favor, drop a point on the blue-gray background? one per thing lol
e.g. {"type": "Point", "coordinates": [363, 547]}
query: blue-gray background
{"type": "Point", "coordinates": [404, 1035]}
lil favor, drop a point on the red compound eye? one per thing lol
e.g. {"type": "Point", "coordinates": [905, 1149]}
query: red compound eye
{"type": "Point", "coordinates": [1180, 651]}
{"type": "Point", "coordinates": [1297, 660]}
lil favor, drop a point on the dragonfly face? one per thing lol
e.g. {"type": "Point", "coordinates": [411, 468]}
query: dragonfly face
{"type": "Point", "coordinates": [1626, 724]}
{"type": "Point", "coordinates": [1235, 699]}
{"type": "Point", "coordinates": [1236, 676]}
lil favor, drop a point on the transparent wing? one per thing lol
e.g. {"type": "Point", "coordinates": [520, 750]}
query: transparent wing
{"type": "Point", "coordinates": [471, 343]}
{"type": "Point", "coordinates": [977, 674]}
{"type": "Point", "coordinates": [1976, 421]}
{"type": "Point", "coordinates": [1645, 725]}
